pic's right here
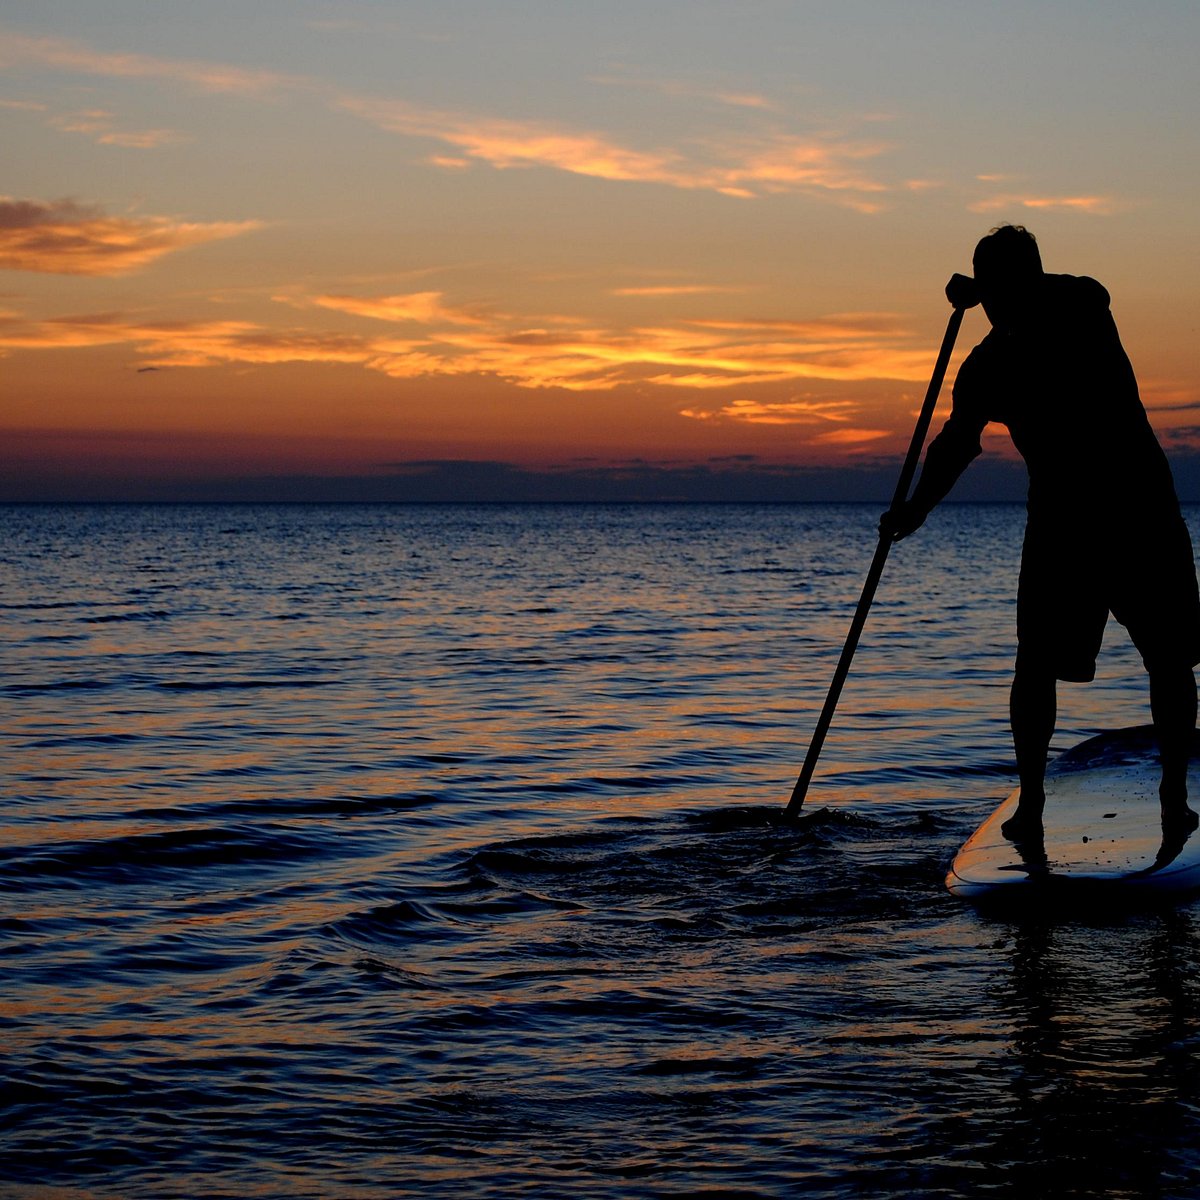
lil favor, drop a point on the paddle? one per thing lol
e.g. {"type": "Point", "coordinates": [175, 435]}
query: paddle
{"type": "Point", "coordinates": [960, 291]}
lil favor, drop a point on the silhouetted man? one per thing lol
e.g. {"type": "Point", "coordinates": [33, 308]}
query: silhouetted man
{"type": "Point", "coordinates": [1104, 530]}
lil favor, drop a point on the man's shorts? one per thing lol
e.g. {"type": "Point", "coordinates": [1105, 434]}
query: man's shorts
{"type": "Point", "coordinates": [1146, 577]}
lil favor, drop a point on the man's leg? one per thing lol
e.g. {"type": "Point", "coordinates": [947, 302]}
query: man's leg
{"type": "Point", "coordinates": [1033, 707]}
{"type": "Point", "coordinates": [1173, 706]}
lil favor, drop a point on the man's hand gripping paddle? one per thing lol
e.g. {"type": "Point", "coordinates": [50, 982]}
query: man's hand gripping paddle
{"type": "Point", "coordinates": [962, 294]}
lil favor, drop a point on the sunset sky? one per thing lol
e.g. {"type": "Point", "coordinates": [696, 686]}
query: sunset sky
{"type": "Point", "coordinates": [466, 249]}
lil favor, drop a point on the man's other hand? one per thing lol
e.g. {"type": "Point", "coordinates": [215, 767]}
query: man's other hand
{"type": "Point", "coordinates": [898, 522]}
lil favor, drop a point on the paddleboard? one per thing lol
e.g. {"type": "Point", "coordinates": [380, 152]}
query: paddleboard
{"type": "Point", "coordinates": [1103, 830]}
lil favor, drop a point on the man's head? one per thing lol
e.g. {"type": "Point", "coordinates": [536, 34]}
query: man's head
{"type": "Point", "coordinates": [1008, 270]}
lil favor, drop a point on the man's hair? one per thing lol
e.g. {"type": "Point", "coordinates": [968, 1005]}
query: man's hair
{"type": "Point", "coordinates": [1008, 250]}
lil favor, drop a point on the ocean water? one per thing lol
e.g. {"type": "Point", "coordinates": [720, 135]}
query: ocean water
{"type": "Point", "coordinates": [430, 851]}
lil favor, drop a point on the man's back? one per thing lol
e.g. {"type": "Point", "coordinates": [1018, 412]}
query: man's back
{"type": "Point", "coordinates": [1059, 379]}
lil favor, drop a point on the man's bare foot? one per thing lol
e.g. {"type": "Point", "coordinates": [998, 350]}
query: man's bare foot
{"type": "Point", "coordinates": [1179, 820]}
{"type": "Point", "coordinates": [1023, 826]}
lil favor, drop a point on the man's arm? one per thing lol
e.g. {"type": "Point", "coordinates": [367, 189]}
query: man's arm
{"type": "Point", "coordinates": [947, 458]}
{"type": "Point", "coordinates": [949, 454]}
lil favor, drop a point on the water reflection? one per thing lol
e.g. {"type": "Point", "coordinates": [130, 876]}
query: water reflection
{"type": "Point", "coordinates": [1103, 1094]}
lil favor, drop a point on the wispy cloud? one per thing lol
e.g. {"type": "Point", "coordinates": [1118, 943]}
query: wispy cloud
{"type": "Point", "coordinates": [101, 127]}
{"type": "Point", "coordinates": [140, 139]}
{"type": "Point", "coordinates": [184, 343]}
{"type": "Point", "coordinates": [425, 307]}
{"type": "Point", "coordinates": [851, 437]}
{"type": "Point", "coordinates": [840, 326]}
{"type": "Point", "coordinates": [506, 143]}
{"type": "Point", "coordinates": [66, 55]}
{"type": "Point", "coordinates": [63, 237]}
{"type": "Point", "coordinates": [747, 166]}
{"type": "Point", "coordinates": [779, 163]}
{"type": "Point", "coordinates": [1102, 206]}
{"type": "Point", "coordinates": [675, 289]}
{"type": "Point", "coordinates": [736, 98]}
{"type": "Point", "coordinates": [784, 412]}
{"type": "Point", "coordinates": [91, 120]}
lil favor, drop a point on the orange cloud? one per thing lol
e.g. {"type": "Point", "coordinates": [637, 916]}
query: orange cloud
{"type": "Point", "coordinates": [506, 144]}
{"type": "Point", "coordinates": [708, 354]}
{"type": "Point", "coordinates": [1093, 205]}
{"type": "Point", "coordinates": [839, 326]}
{"type": "Point", "coordinates": [743, 99]}
{"type": "Point", "coordinates": [785, 163]}
{"type": "Point", "coordinates": [74, 56]}
{"type": "Point", "coordinates": [443, 339]}
{"type": "Point", "coordinates": [686, 289]}
{"type": "Point", "coordinates": [139, 139]}
{"type": "Point", "coordinates": [184, 343]}
{"type": "Point", "coordinates": [99, 125]}
{"type": "Point", "coordinates": [595, 358]}
{"type": "Point", "coordinates": [787, 412]}
{"type": "Point", "coordinates": [749, 167]}
{"type": "Point", "coordinates": [426, 307]}
{"type": "Point", "coordinates": [687, 91]}
{"type": "Point", "coordinates": [62, 237]}
{"type": "Point", "coordinates": [851, 437]}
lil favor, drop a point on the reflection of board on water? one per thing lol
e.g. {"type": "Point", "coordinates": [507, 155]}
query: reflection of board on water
{"type": "Point", "coordinates": [1102, 829]}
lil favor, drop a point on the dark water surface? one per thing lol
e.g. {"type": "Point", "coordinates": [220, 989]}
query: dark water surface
{"type": "Point", "coordinates": [427, 851]}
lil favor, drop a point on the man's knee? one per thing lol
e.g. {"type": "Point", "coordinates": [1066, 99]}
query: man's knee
{"type": "Point", "coordinates": [1033, 671]}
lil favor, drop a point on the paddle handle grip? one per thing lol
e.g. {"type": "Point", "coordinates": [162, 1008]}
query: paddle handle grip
{"type": "Point", "coordinates": [903, 484]}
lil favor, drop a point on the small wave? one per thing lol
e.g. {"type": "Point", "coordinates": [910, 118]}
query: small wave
{"type": "Point", "coordinates": [389, 917]}
{"type": "Point", "coordinates": [220, 685]}
{"type": "Point", "coordinates": [66, 685]}
{"type": "Point", "coordinates": [153, 682]}
{"type": "Point", "coordinates": [643, 783]}
{"type": "Point", "coordinates": [764, 571]}
{"type": "Point", "coordinates": [154, 614]}
{"type": "Point", "coordinates": [84, 739]}
{"type": "Point", "coordinates": [746, 1067]}
{"type": "Point", "coordinates": [506, 905]}
{"type": "Point", "coordinates": [318, 806]}
{"type": "Point", "coordinates": [48, 605]}
{"type": "Point", "coordinates": [129, 857]}
{"type": "Point", "coordinates": [546, 850]}
{"type": "Point", "coordinates": [443, 915]}
{"type": "Point", "coordinates": [515, 862]}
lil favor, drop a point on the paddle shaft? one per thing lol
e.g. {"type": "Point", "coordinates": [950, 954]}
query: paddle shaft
{"type": "Point", "coordinates": [877, 563]}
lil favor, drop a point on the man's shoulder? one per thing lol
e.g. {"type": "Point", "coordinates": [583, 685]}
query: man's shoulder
{"type": "Point", "coordinates": [1076, 290]}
